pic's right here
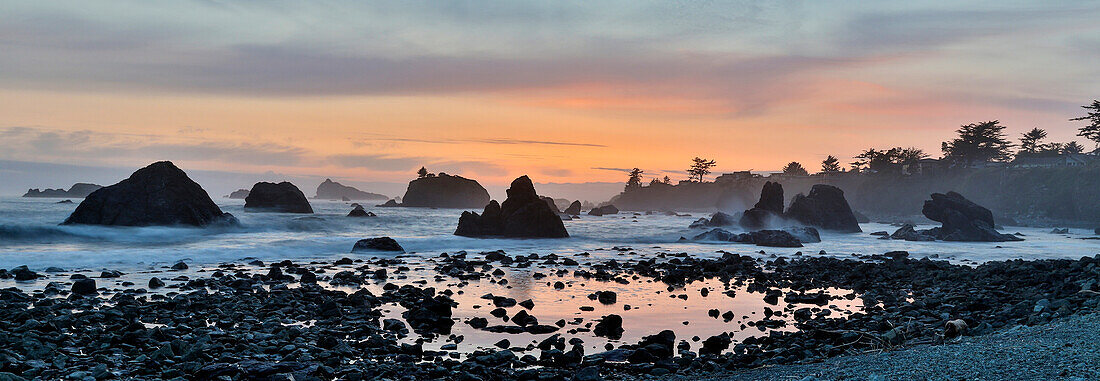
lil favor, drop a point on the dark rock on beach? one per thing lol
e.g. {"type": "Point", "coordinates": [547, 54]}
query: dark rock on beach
{"type": "Point", "coordinates": [523, 214]}
{"type": "Point", "coordinates": [283, 197]}
{"type": "Point", "coordinates": [717, 219]}
{"type": "Point", "coordinates": [825, 208]}
{"type": "Point", "coordinates": [159, 194]}
{"type": "Point", "coordinates": [445, 191]}
{"type": "Point", "coordinates": [377, 244]}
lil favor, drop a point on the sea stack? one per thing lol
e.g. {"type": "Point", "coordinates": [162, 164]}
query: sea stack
{"type": "Point", "coordinates": [335, 191]}
{"type": "Point", "coordinates": [825, 207]}
{"type": "Point", "coordinates": [283, 197]}
{"type": "Point", "coordinates": [445, 191]}
{"type": "Point", "coordinates": [767, 210]}
{"type": "Point", "coordinates": [522, 215]}
{"type": "Point", "coordinates": [159, 194]}
{"type": "Point", "coordinates": [962, 219]}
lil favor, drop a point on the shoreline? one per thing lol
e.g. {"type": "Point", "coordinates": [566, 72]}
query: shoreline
{"type": "Point", "coordinates": [395, 315]}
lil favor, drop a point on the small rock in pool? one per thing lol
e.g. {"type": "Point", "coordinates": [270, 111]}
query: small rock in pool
{"type": "Point", "coordinates": [179, 266]}
{"type": "Point", "coordinates": [611, 327]}
{"type": "Point", "coordinates": [503, 344]}
{"type": "Point", "coordinates": [155, 283]}
{"type": "Point", "coordinates": [377, 244]}
{"type": "Point", "coordinates": [23, 273]}
{"type": "Point", "coordinates": [84, 286]}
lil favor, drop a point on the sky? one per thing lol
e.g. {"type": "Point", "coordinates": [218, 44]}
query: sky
{"type": "Point", "coordinates": [566, 92]}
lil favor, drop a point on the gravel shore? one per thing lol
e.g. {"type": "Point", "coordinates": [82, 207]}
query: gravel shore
{"type": "Point", "coordinates": [1066, 349]}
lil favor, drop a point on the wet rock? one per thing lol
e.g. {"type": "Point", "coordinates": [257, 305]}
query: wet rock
{"type": "Point", "coordinates": [179, 266]}
{"type": "Point", "coordinates": [767, 211]}
{"type": "Point", "coordinates": [962, 220]}
{"type": "Point", "coordinates": [804, 234]}
{"type": "Point", "coordinates": [610, 326]}
{"type": "Point", "coordinates": [358, 211]}
{"type": "Point", "coordinates": [909, 233]}
{"type": "Point", "coordinates": [22, 273]}
{"type": "Point", "coordinates": [826, 208]}
{"type": "Point", "coordinates": [523, 214]}
{"type": "Point", "coordinates": [603, 210]}
{"type": "Point", "coordinates": [155, 283]}
{"type": "Point", "coordinates": [716, 220]}
{"type": "Point", "coordinates": [714, 345]}
{"type": "Point", "coordinates": [574, 208]}
{"type": "Point", "coordinates": [159, 194]}
{"type": "Point", "coordinates": [283, 197]}
{"type": "Point", "coordinates": [606, 297]}
{"type": "Point", "coordinates": [84, 286]}
{"type": "Point", "coordinates": [774, 238]}
{"type": "Point", "coordinates": [377, 244]}
{"type": "Point", "coordinates": [955, 328]}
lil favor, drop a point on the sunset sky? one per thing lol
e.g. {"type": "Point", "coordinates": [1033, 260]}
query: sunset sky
{"type": "Point", "coordinates": [567, 92]}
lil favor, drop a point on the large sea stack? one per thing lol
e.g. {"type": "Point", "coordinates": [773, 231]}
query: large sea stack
{"type": "Point", "coordinates": [283, 197]}
{"type": "Point", "coordinates": [962, 219]}
{"type": "Point", "coordinates": [332, 190]}
{"type": "Point", "coordinates": [522, 215]}
{"type": "Point", "coordinates": [825, 208]}
{"type": "Point", "coordinates": [445, 191]}
{"type": "Point", "coordinates": [159, 194]}
{"type": "Point", "coordinates": [767, 210]}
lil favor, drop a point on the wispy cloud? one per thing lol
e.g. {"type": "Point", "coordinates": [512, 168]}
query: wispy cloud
{"type": "Point", "coordinates": [489, 141]}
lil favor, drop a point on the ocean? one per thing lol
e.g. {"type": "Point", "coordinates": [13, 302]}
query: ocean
{"type": "Point", "coordinates": [31, 234]}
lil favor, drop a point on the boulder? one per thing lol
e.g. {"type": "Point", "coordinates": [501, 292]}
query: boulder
{"type": "Point", "coordinates": [159, 194]}
{"type": "Point", "coordinates": [768, 209]}
{"type": "Point", "coordinates": [611, 327]}
{"type": "Point", "coordinates": [445, 191]}
{"type": "Point", "coordinates": [805, 234]}
{"type": "Point", "coordinates": [962, 220]}
{"type": "Point", "coordinates": [909, 233]}
{"type": "Point", "coordinates": [523, 215]}
{"type": "Point", "coordinates": [377, 244]}
{"type": "Point", "coordinates": [602, 210]}
{"type": "Point", "coordinates": [775, 238]}
{"type": "Point", "coordinates": [825, 207]}
{"type": "Point", "coordinates": [331, 190]}
{"type": "Point", "coordinates": [283, 197]}
{"type": "Point", "coordinates": [717, 219]}
{"type": "Point", "coordinates": [574, 208]}
{"type": "Point", "coordinates": [358, 211]}
{"type": "Point", "coordinates": [239, 194]}
{"type": "Point", "coordinates": [84, 286]}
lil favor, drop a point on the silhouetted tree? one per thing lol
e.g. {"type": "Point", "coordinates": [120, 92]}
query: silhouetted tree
{"type": "Point", "coordinates": [654, 181]}
{"type": "Point", "coordinates": [635, 180]}
{"type": "Point", "coordinates": [1030, 141]}
{"type": "Point", "coordinates": [422, 173]}
{"type": "Point", "coordinates": [667, 180]}
{"type": "Point", "coordinates": [909, 156]}
{"type": "Point", "coordinates": [700, 168]}
{"type": "Point", "coordinates": [795, 168]}
{"type": "Point", "coordinates": [977, 143]}
{"type": "Point", "coordinates": [830, 165]}
{"type": "Point", "coordinates": [1073, 147]}
{"type": "Point", "coordinates": [1092, 130]}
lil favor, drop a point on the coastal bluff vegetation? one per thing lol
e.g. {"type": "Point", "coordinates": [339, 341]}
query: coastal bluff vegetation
{"type": "Point", "coordinates": [1024, 195]}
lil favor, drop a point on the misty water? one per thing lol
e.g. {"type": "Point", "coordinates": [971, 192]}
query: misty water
{"type": "Point", "coordinates": [30, 235]}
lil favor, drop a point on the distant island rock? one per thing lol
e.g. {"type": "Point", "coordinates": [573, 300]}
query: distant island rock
{"type": "Point", "coordinates": [388, 204]}
{"type": "Point", "coordinates": [283, 197]}
{"type": "Point", "coordinates": [159, 194]}
{"type": "Point", "coordinates": [331, 190]}
{"type": "Point", "coordinates": [522, 215]}
{"type": "Point", "coordinates": [358, 211]}
{"type": "Point", "coordinates": [78, 190]}
{"type": "Point", "coordinates": [239, 194]}
{"type": "Point", "coordinates": [445, 191]}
